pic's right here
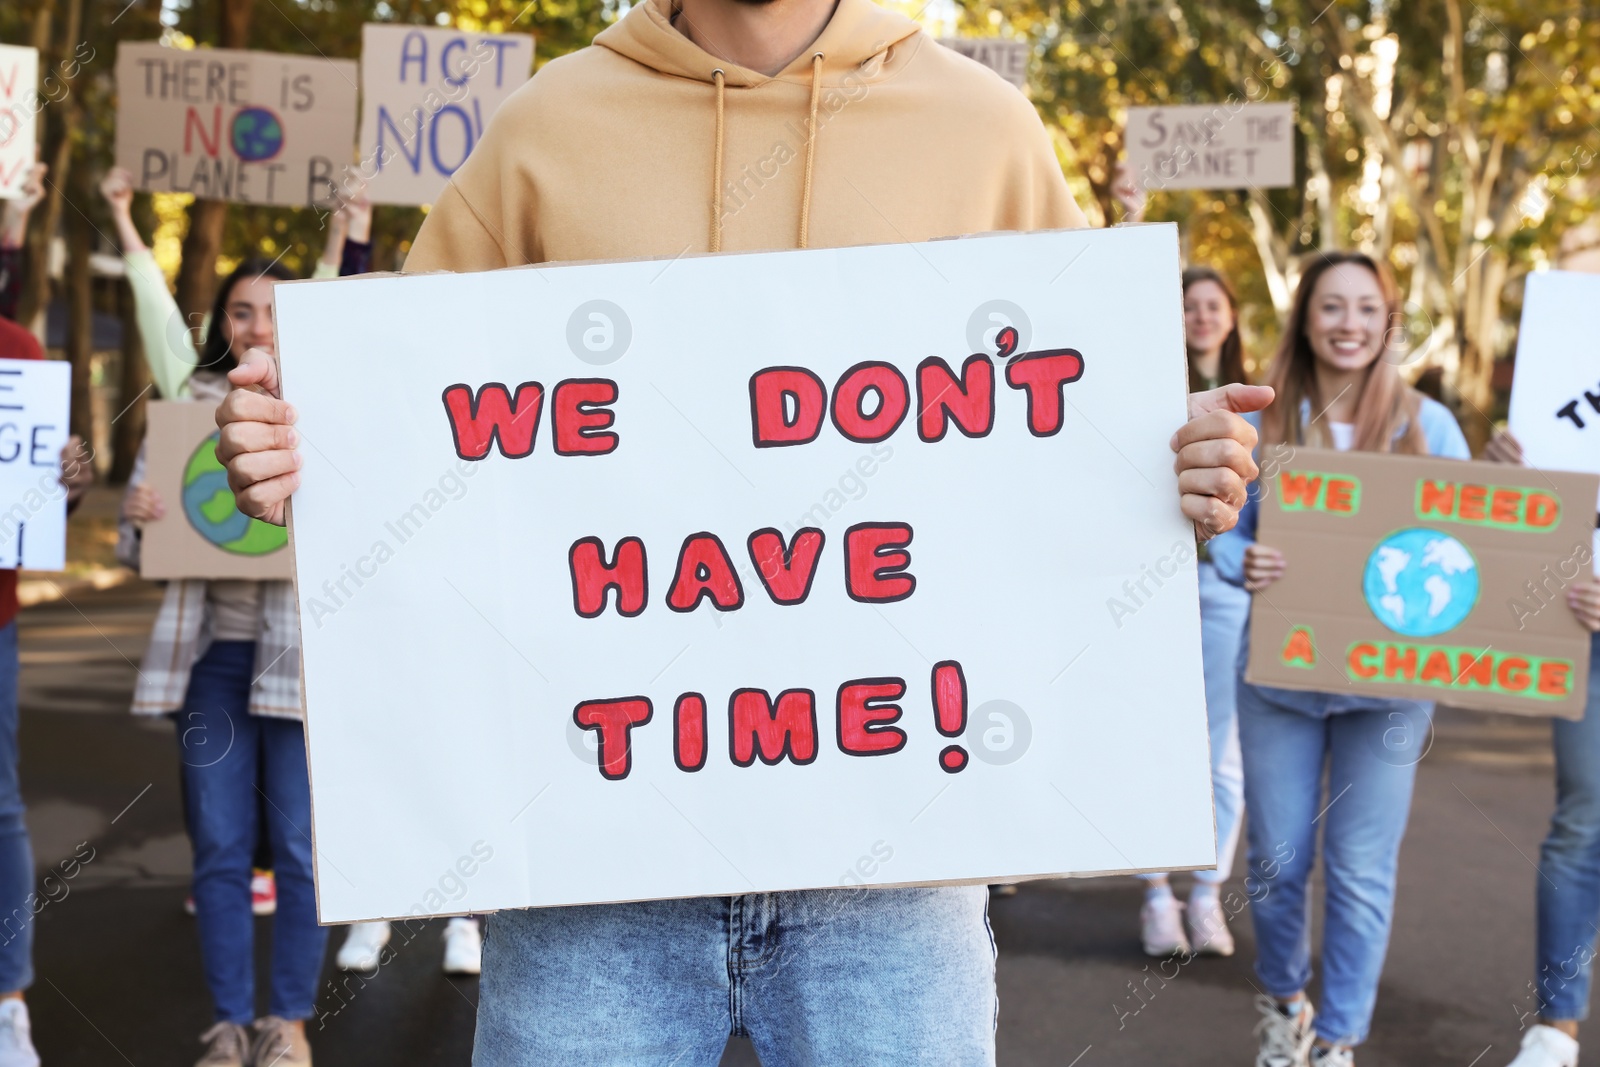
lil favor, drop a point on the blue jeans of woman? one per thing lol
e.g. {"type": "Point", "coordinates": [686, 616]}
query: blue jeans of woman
{"type": "Point", "coordinates": [1370, 760]}
{"type": "Point", "coordinates": [821, 978]}
{"type": "Point", "coordinates": [229, 756]}
{"type": "Point", "coordinates": [16, 854]}
{"type": "Point", "coordinates": [1569, 863]}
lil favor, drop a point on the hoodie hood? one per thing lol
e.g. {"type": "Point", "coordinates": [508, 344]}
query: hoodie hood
{"type": "Point", "coordinates": [854, 44]}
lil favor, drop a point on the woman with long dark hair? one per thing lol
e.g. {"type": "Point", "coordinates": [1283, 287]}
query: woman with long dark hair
{"type": "Point", "coordinates": [1337, 386]}
{"type": "Point", "coordinates": [1216, 358]}
{"type": "Point", "coordinates": [223, 661]}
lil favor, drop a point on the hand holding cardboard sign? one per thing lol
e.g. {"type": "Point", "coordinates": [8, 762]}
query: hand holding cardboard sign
{"type": "Point", "coordinates": [257, 440]}
{"type": "Point", "coordinates": [143, 504]}
{"type": "Point", "coordinates": [1584, 600]}
{"type": "Point", "coordinates": [1215, 460]}
{"type": "Point", "coordinates": [1263, 565]}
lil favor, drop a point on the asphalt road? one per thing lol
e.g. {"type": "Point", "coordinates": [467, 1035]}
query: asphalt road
{"type": "Point", "coordinates": [119, 969]}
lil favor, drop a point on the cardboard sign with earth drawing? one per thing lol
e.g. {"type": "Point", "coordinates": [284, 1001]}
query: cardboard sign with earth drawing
{"type": "Point", "coordinates": [1421, 578]}
{"type": "Point", "coordinates": [203, 534]}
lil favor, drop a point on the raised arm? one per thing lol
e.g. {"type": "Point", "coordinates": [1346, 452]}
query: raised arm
{"type": "Point", "coordinates": [169, 347]}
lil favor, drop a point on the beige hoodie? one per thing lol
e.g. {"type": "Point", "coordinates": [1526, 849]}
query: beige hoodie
{"type": "Point", "coordinates": [614, 152]}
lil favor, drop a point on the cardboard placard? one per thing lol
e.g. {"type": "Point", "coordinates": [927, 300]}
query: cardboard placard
{"type": "Point", "coordinates": [1555, 396]}
{"type": "Point", "coordinates": [224, 124]}
{"type": "Point", "coordinates": [203, 535]}
{"type": "Point", "coordinates": [1229, 145]}
{"type": "Point", "coordinates": [19, 104]}
{"type": "Point", "coordinates": [1005, 57]}
{"type": "Point", "coordinates": [427, 95]}
{"type": "Point", "coordinates": [787, 645]}
{"type": "Point", "coordinates": [35, 399]}
{"type": "Point", "coordinates": [1418, 577]}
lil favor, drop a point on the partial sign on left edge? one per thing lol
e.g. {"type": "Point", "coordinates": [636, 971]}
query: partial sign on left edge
{"type": "Point", "coordinates": [19, 103]}
{"type": "Point", "coordinates": [34, 397]}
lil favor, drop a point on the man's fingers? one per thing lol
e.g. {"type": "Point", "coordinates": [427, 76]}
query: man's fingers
{"type": "Point", "coordinates": [264, 500]}
{"type": "Point", "coordinates": [1225, 452]}
{"type": "Point", "coordinates": [1221, 482]}
{"type": "Point", "coordinates": [1215, 426]}
{"type": "Point", "coordinates": [1209, 515]}
{"type": "Point", "coordinates": [1235, 398]}
{"type": "Point", "coordinates": [242, 406]}
{"type": "Point", "coordinates": [258, 370]}
{"type": "Point", "coordinates": [242, 437]}
{"type": "Point", "coordinates": [248, 468]}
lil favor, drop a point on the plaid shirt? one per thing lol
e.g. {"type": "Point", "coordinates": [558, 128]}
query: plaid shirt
{"type": "Point", "coordinates": [182, 630]}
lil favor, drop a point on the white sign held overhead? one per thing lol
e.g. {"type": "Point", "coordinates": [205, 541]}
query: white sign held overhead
{"type": "Point", "coordinates": [730, 573]}
{"type": "Point", "coordinates": [1229, 145]}
{"type": "Point", "coordinates": [427, 95]}
{"type": "Point", "coordinates": [19, 104]}
{"type": "Point", "coordinates": [1555, 395]}
{"type": "Point", "coordinates": [248, 127]}
{"type": "Point", "coordinates": [1005, 57]}
{"type": "Point", "coordinates": [34, 399]}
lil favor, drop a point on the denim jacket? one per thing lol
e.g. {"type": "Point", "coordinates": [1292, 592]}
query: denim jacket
{"type": "Point", "coordinates": [1444, 439]}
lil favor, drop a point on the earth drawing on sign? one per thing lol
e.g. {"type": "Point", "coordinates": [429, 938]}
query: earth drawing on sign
{"type": "Point", "coordinates": [208, 504]}
{"type": "Point", "coordinates": [1421, 582]}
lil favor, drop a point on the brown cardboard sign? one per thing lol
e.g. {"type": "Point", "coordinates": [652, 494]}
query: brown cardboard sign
{"type": "Point", "coordinates": [226, 124]}
{"type": "Point", "coordinates": [203, 535]}
{"type": "Point", "coordinates": [1424, 578]}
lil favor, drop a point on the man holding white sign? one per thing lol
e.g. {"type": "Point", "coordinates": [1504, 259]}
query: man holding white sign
{"type": "Point", "coordinates": [819, 121]}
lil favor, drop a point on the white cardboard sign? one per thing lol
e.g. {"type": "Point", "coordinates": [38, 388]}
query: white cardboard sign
{"type": "Point", "coordinates": [1230, 145]}
{"type": "Point", "coordinates": [1005, 57]}
{"type": "Point", "coordinates": [34, 399]}
{"type": "Point", "coordinates": [846, 657]}
{"type": "Point", "coordinates": [223, 124]}
{"type": "Point", "coordinates": [1555, 396]}
{"type": "Point", "coordinates": [19, 104]}
{"type": "Point", "coordinates": [427, 95]}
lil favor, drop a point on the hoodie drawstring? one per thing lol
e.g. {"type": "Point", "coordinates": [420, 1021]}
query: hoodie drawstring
{"type": "Point", "coordinates": [811, 149]}
{"type": "Point", "coordinates": [716, 169]}
{"type": "Point", "coordinates": [719, 79]}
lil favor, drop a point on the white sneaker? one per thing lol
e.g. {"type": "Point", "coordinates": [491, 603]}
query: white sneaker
{"type": "Point", "coordinates": [1545, 1046]}
{"type": "Point", "coordinates": [16, 1035]}
{"type": "Point", "coordinates": [1208, 926]}
{"type": "Point", "coordinates": [1336, 1056]}
{"type": "Point", "coordinates": [1161, 927]}
{"type": "Point", "coordinates": [1285, 1040]}
{"type": "Point", "coordinates": [463, 947]}
{"type": "Point", "coordinates": [363, 947]}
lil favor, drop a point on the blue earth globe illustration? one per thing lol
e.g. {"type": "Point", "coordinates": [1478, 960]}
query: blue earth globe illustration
{"type": "Point", "coordinates": [1421, 582]}
{"type": "Point", "coordinates": [256, 134]}
{"type": "Point", "coordinates": [208, 504]}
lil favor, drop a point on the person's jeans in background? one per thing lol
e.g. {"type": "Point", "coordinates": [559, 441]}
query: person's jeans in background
{"type": "Point", "coordinates": [1370, 758]}
{"type": "Point", "coordinates": [1569, 863]}
{"type": "Point", "coordinates": [1224, 609]}
{"type": "Point", "coordinates": [16, 853]}
{"type": "Point", "coordinates": [823, 977]}
{"type": "Point", "coordinates": [222, 746]}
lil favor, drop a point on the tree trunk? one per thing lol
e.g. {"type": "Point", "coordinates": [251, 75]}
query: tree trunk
{"type": "Point", "coordinates": [197, 275]}
{"type": "Point", "coordinates": [80, 319]}
{"type": "Point", "coordinates": [60, 126]}
{"type": "Point", "coordinates": [127, 428]}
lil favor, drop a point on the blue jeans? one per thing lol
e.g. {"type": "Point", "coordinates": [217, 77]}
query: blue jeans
{"type": "Point", "coordinates": [1569, 863]}
{"type": "Point", "coordinates": [226, 751]}
{"type": "Point", "coordinates": [824, 977]}
{"type": "Point", "coordinates": [16, 854]}
{"type": "Point", "coordinates": [1370, 757]}
{"type": "Point", "coordinates": [1224, 610]}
